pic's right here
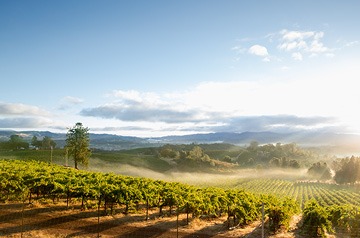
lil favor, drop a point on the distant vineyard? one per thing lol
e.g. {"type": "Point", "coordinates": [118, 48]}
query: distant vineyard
{"type": "Point", "coordinates": [303, 191]}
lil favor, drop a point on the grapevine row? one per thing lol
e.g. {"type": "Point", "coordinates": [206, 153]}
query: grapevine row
{"type": "Point", "coordinates": [325, 194]}
{"type": "Point", "coordinates": [21, 180]}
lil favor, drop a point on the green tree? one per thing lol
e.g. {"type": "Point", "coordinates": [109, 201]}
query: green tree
{"type": "Point", "coordinates": [77, 144]}
{"type": "Point", "coordinates": [35, 142]}
{"type": "Point", "coordinates": [47, 143]}
{"type": "Point", "coordinates": [320, 171]}
{"type": "Point", "coordinates": [349, 173]}
{"type": "Point", "coordinates": [167, 152]}
{"type": "Point", "coordinates": [196, 153]}
{"type": "Point", "coordinates": [16, 142]}
{"type": "Point", "coordinates": [253, 145]}
{"type": "Point", "coordinates": [275, 162]}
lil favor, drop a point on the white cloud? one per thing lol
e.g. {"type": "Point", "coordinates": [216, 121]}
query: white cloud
{"type": "Point", "coordinates": [308, 42]}
{"type": "Point", "coordinates": [297, 44]}
{"type": "Point", "coordinates": [308, 102]}
{"type": "Point", "coordinates": [131, 95]}
{"type": "Point", "coordinates": [238, 49]}
{"type": "Point", "coordinates": [297, 56]}
{"type": "Point", "coordinates": [148, 98]}
{"type": "Point", "coordinates": [293, 45]}
{"type": "Point", "coordinates": [330, 55]}
{"type": "Point", "coordinates": [352, 43]}
{"type": "Point", "coordinates": [18, 115]}
{"type": "Point", "coordinates": [295, 35]}
{"type": "Point", "coordinates": [11, 109]}
{"type": "Point", "coordinates": [72, 100]}
{"type": "Point", "coordinates": [68, 102]}
{"type": "Point", "coordinates": [145, 106]}
{"type": "Point", "coordinates": [317, 47]}
{"type": "Point", "coordinates": [24, 122]}
{"type": "Point", "coordinates": [258, 50]}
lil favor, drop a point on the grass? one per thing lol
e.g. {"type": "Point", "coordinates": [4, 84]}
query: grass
{"type": "Point", "coordinates": [57, 155]}
{"type": "Point", "coordinates": [137, 158]}
{"type": "Point", "coordinates": [133, 158]}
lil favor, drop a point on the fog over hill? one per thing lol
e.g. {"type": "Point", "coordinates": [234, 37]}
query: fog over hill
{"type": "Point", "coordinates": [349, 142]}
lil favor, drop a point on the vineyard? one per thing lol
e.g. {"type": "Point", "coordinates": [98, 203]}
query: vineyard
{"type": "Point", "coordinates": [302, 191]}
{"type": "Point", "coordinates": [108, 193]}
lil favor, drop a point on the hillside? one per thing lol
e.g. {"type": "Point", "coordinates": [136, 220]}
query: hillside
{"type": "Point", "coordinates": [333, 143]}
{"type": "Point", "coordinates": [88, 198]}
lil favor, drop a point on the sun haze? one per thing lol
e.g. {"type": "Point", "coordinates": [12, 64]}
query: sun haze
{"type": "Point", "coordinates": [152, 68]}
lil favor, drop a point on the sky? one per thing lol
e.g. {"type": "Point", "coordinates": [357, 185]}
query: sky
{"type": "Point", "coordinates": [155, 68]}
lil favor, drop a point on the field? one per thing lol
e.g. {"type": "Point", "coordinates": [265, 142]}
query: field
{"type": "Point", "coordinates": [58, 221]}
{"type": "Point", "coordinates": [74, 203]}
{"type": "Point", "coordinates": [324, 193]}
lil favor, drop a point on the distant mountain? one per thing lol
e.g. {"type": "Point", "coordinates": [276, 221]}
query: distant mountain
{"type": "Point", "coordinates": [98, 141]}
{"type": "Point", "coordinates": [5, 134]}
{"type": "Point", "coordinates": [226, 137]}
{"type": "Point", "coordinates": [304, 138]}
{"type": "Point", "coordinates": [117, 142]}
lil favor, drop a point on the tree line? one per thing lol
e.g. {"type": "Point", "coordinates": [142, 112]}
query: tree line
{"type": "Point", "coordinates": [254, 155]}
{"type": "Point", "coordinates": [342, 170]}
{"type": "Point", "coordinates": [77, 144]}
{"type": "Point", "coordinates": [17, 142]}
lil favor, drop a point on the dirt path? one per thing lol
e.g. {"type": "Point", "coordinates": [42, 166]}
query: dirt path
{"type": "Point", "coordinates": [59, 221]}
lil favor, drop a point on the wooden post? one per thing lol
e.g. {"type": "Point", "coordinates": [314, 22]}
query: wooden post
{"type": "Point", "coordinates": [262, 220]}
{"type": "Point", "coordinates": [51, 154]}
{"type": "Point", "coordinates": [22, 218]}
{"type": "Point", "coordinates": [187, 213]}
{"type": "Point", "coordinates": [147, 209]}
{"type": "Point", "coordinates": [228, 218]}
{"type": "Point", "coordinates": [98, 215]}
{"type": "Point", "coordinates": [177, 222]}
{"type": "Point", "coordinates": [66, 157]}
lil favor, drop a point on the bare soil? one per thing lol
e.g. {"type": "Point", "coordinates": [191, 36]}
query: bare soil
{"type": "Point", "coordinates": [18, 220]}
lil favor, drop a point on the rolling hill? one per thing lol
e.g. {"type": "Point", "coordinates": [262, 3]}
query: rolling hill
{"type": "Point", "coordinates": [118, 142]}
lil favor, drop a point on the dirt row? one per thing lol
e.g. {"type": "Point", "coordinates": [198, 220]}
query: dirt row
{"type": "Point", "coordinates": [18, 220]}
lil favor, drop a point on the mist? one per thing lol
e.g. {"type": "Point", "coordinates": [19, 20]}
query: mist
{"type": "Point", "coordinates": [228, 179]}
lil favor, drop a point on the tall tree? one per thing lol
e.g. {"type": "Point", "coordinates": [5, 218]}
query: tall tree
{"type": "Point", "coordinates": [349, 173]}
{"type": "Point", "coordinates": [35, 142]}
{"type": "Point", "coordinates": [16, 142]}
{"type": "Point", "coordinates": [77, 144]}
{"type": "Point", "coordinates": [48, 143]}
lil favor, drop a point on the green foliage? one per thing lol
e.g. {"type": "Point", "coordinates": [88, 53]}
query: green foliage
{"type": "Point", "coordinates": [141, 158]}
{"type": "Point", "coordinates": [345, 219]}
{"type": "Point", "coordinates": [47, 143]}
{"type": "Point", "coordinates": [315, 220]}
{"type": "Point", "coordinates": [167, 152]}
{"type": "Point", "coordinates": [30, 180]}
{"type": "Point", "coordinates": [15, 142]}
{"type": "Point", "coordinates": [320, 171]}
{"type": "Point", "coordinates": [280, 212]}
{"type": "Point", "coordinates": [35, 142]}
{"type": "Point", "coordinates": [193, 158]}
{"type": "Point", "coordinates": [23, 179]}
{"type": "Point", "coordinates": [340, 216]}
{"type": "Point", "coordinates": [77, 144]}
{"type": "Point", "coordinates": [349, 171]}
{"type": "Point", "coordinates": [280, 156]}
{"type": "Point", "coordinates": [40, 155]}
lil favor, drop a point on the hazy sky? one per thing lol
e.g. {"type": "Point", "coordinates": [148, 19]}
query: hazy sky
{"type": "Point", "coordinates": [150, 68]}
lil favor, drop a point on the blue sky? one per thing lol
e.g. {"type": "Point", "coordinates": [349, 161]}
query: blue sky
{"type": "Point", "coordinates": [151, 68]}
